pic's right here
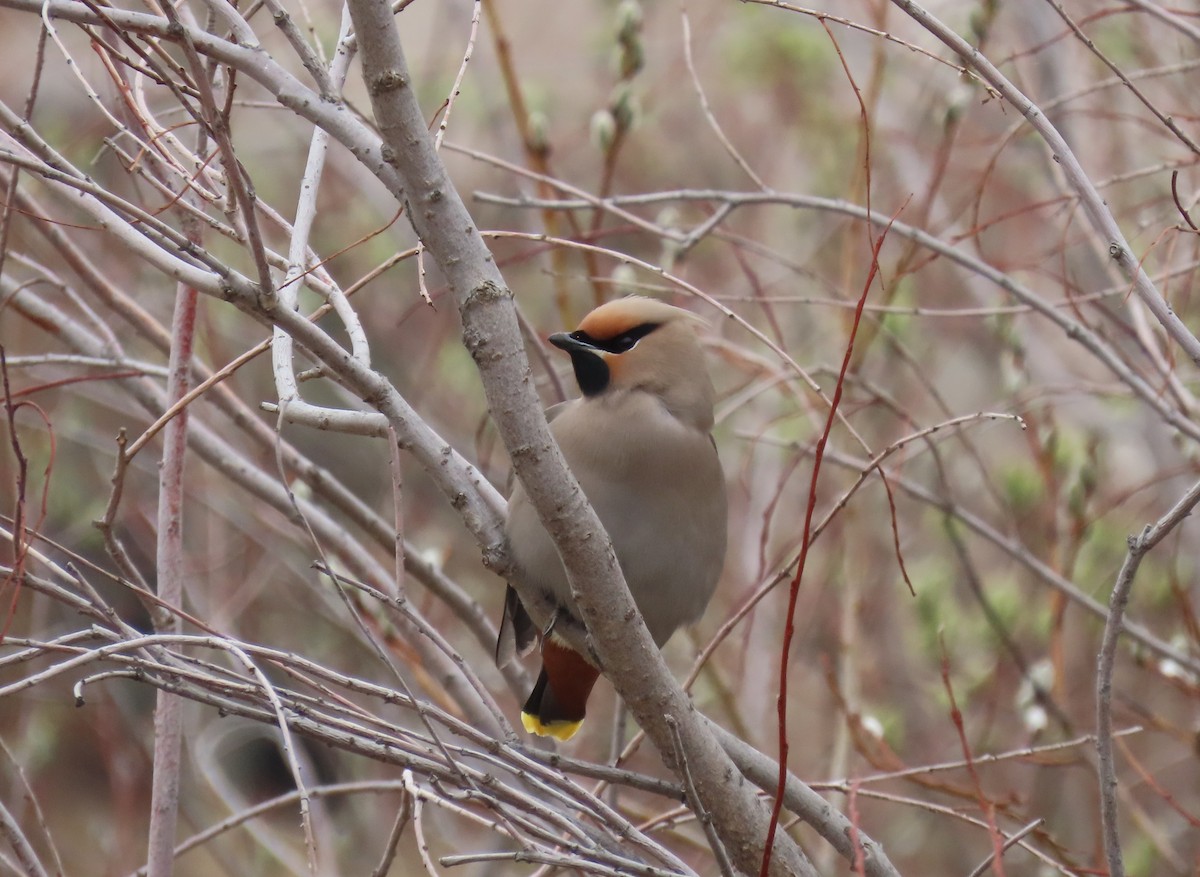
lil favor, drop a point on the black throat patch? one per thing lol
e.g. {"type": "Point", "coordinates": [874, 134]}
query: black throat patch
{"type": "Point", "coordinates": [591, 372]}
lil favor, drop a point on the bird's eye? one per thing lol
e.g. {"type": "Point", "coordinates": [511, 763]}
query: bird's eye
{"type": "Point", "coordinates": [627, 340]}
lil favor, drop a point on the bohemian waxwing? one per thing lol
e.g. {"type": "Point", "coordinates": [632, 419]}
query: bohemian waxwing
{"type": "Point", "coordinates": [639, 443]}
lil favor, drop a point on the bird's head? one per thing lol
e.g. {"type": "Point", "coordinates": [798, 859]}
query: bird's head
{"type": "Point", "coordinates": [639, 344]}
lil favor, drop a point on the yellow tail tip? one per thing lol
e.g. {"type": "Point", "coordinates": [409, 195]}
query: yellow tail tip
{"type": "Point", "coordinates": [559, 730]}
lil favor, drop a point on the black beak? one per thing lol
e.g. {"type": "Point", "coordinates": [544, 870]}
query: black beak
{"type": "Point", "coordinates": [563, 341]}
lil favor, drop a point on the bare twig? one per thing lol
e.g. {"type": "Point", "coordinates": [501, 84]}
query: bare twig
{"type": "Point", "coordinates": [1012, 841]}
{"type": "Point", "coordinates": [170, 573]}
{"type": "Point", "coordinates": [707, 110]}
{"type": "Point", "coordinates": [38, 814]}
{"type": "Point", "coordinates": [418, 825]}
{"type": "Point", "coordinates": [1139, 545]}
{"type": "Point", "coordinates": [456, 88]}
{"type": "Point", "coordinates": [985, 803]}
{"type": "Point", "coordinates": [702, 816]}
{"type": "Point", "coordinates": [1187, 217]}
{"type": "Point", "coordinates": [22, 848]}
{"type": "Point", "coordinates": [1096, 209]}
{"type": "Point", "coordinates": [403, 815]}
{"type": "Point", "coordinates": [1137, 92]}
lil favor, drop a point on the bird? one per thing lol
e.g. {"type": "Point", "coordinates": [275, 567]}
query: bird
{"type": "Point", "coordinates": [639, 442]}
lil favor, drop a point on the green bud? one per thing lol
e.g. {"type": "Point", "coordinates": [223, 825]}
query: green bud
{"type": "Point", "coordinates": [977, 24]}
{"type": "Point", "coordinates": [624, 279]}
{"type": "Point", "coordinates": [630, 58]}
{"type": "Point", "coordinates": [1077, 501]}
{"type": "Point", "coordinates": [603, 130]}
{"type": "Point", "coordinates": [629, 20]}
{"type": "Point", "coordinates": [624, 107]}
{"type": "Point", "coordinates": [669, 217]}
{"type": "Point", "coordinates": [956, 105]}
{"type": "Point", "coordinates": [539, 137]}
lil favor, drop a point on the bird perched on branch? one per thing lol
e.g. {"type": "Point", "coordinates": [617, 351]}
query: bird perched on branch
{"type": "Point", "coordinates": [639, 443]}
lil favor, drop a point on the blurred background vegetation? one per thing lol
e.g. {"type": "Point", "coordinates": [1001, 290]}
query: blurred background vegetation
{"type": "Point", "coordinates": [983, 514]}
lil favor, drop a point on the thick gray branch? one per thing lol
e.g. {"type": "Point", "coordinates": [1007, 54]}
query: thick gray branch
{"type": "Point", "coordinates": [492, 335]}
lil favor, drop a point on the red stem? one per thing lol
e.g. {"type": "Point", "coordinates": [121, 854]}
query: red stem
{"type": "Point", "coordinates": [794, 591]}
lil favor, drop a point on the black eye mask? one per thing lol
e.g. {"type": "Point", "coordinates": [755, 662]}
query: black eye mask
{"type": "Point", "coordinates": [622, 343]}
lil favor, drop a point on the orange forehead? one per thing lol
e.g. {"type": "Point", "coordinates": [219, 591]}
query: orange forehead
{"type": "Point", "coordinates": [604, 325]}
{"type": "Point", "coordinates": [617, 317]}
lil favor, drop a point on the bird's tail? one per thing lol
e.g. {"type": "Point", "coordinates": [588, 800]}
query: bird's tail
{"type": "Point", "coordinates": [558, 702]}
